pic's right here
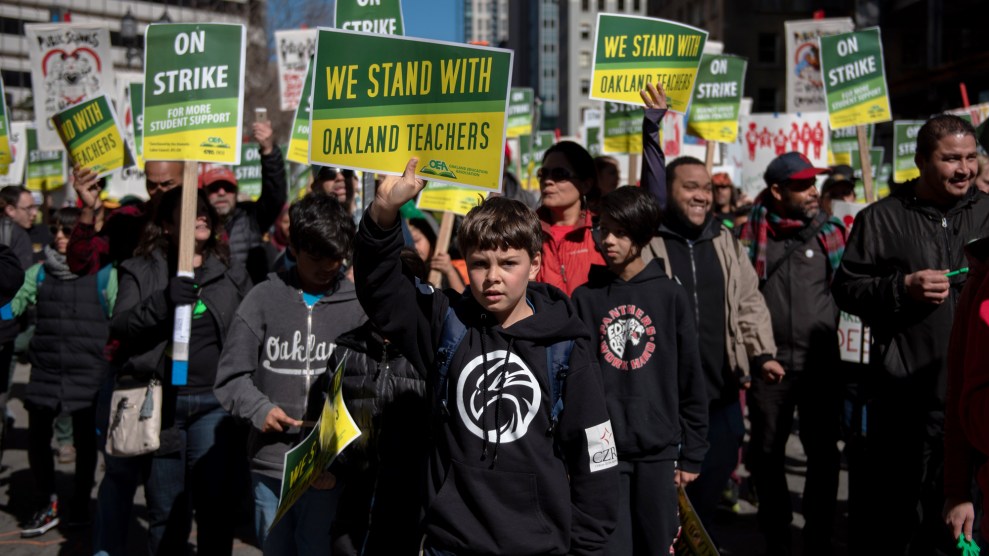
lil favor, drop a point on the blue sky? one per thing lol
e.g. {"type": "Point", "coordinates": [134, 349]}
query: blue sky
{"type": "Point", "coordinates": [430, 19]}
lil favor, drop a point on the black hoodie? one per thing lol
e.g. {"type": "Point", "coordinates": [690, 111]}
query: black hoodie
{"type": "Point", "coordinates": [507, 493]}
{"type": "Point", "coordinates": [650, 364]}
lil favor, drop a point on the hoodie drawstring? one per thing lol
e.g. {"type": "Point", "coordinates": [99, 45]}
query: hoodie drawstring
{"type": "Point", "coordinates": [484, 389]}
{"type": "Point", "coordinates": [501, 390]}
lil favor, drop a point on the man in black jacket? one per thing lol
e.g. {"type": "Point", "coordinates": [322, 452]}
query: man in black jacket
{"type": "Point", "coordinates": [246, 222]}
{"type": "Point", "coordinates": [795, 248]}
{"type": "Point", "coordinates": [895, 277]}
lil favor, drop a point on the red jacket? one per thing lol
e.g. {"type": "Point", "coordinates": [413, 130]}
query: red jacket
{"type": "Point", "coordinates": [967, 402]}
{"type": "Point", "coordinates": [567, 263]}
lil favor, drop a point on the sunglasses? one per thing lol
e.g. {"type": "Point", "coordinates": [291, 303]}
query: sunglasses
{"type": "Point", "coordinates": [217, 186]}
{"type": "Point", "coordinates": [66, 230]}
{"type": "Point", "coordinates": [555, 174]}
{"type": "Point", "coordinates": [326, 173]}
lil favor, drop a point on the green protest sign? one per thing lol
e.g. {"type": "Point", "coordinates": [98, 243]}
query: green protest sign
{"type": "Point", "coordinates": [379, 100]}
{"type": "Point", "coordinates": [592, 137]}
{"type": "Point", "coordinates": [303, 464]}
{"type": "Point", "coordinates": [137, 119]}
{"type": "Point", "coordinates": [845, 139]}
{"type": "Point", "coordinates": [717, 98]}
{"type": "Point", "coordinates": [904, 147]}
{"type": "Point", "coordinates": [298, 144]}
{"type": "Point", "coordinates": [383, 17]}
{"type": "Point", "coordinates": [248, 172]}
{"type": "Point", "coordinates": [533, 149]}
{"type": "Point", "coordinates": [631, 51]}
{"type": "Point", "coordinates": [6, 153]}
{"type": "Point", "coordinates": [46, 170]}
{"type": "Point", "coordinates": [875, 157]}
{"type": "Point", "coordinates": [854, 78]}
{"type": "Point", "coordinates": [92, 136]}
{"type": "Point", "coordinates": [193, 92]}
{"type": "Point", "coordinates": [520, 112]}
{"type": "Point", "coordinates": [622, 128]}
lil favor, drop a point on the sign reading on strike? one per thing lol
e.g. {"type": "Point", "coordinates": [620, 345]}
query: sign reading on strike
{"type": "Point", "coordinates": [248, 172]}
{"type": "Point", "coordinates": [379, 100]}
{"type": "Point", "coordinates": [717, 98]}
{"type": "Point", "coordinates": [592, 140]}
{"type": "Point", "coordinates": [46, 170]}
{"type": "Point", "coordinates": [92, 135]}
{"type": "Point", "coordinates": [194, 92]}
{"type": "Point", "coordinates": [904, 147]}
{"type": "Point", "coordinates": [382, 17]}
{"type": "Point", "coordinates": [520, 112]}
{"type": "Point", "coordinates": [622, 128]}
{"type": "Point", "coordinates": [631, 51]}
{"type": "Point", "coordinates": [854, 78]}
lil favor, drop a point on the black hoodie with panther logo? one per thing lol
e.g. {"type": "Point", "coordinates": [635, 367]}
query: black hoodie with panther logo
{"type": "Point", "coordinates": [501, 480]}
{"type": "Point", "coordinates": [650, 364]}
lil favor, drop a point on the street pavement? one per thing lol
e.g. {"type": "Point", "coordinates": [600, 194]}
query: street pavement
{"type": "Point", "coordinates": [737, 532]}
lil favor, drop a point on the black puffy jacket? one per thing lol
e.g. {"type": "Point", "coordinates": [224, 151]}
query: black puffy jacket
{"type": "Point", "coordinates": [894, 237]}
{"type": "Point", "coordinates": [251, 219]}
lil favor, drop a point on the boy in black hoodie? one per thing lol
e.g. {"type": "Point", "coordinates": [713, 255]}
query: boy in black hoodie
{"type": "Point", "coordinates": [504, 477]}
{"type": "Point", "coordinates": [651, 370]}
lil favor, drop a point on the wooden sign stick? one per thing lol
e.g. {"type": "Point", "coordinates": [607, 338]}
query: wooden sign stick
{"type": "Point", "coordinates": [442, 245]}
{"type": "Point", "coordinates": [866, 159]}
{"type": "Point", "coordinates": [187, 252]}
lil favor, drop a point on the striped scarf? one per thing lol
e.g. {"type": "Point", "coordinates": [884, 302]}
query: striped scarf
{"type": "Point", "coordinates": [762, 224]}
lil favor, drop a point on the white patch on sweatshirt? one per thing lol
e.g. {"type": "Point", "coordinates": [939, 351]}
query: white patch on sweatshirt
{"type": "Point", "coordinates": [601, 448]}
{"type": "Point", "coordinates": [295, 357]}
{"type": "Point", "coordinates": [511, 385]}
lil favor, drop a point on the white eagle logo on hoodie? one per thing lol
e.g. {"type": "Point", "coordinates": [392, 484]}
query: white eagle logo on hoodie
{"type": "Point", "coordinates": [511, 387]}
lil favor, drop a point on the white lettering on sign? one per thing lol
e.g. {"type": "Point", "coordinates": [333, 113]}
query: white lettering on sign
{"type": "Point", "coordinates": [848, 46]}
{"type": "Point", "coordinates": [190, 43]}
{"type": "Point", "coordinates": [719, 66]}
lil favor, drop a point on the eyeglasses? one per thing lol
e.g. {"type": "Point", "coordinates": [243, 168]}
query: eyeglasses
{"type": "Point", "coordinates": [66, 230]}
{"type": "Point", "coordinates": [215, 187]}
{"type": "Point", "coordinates": [555, 174]}
{"type": "Point", "coordinates": [29, 208]}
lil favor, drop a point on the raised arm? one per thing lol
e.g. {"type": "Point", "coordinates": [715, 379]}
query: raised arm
{"type": "Point", "coordinates": [274, 186]}
{"type": "Point", "coordinates": [654, 161]}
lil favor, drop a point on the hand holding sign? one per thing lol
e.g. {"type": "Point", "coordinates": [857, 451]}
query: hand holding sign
{"type": "Point", "coordinates": [394, 192]}
{"type": "Point", "coordinates": [86, 182]}
{"type": "Point", "coordinates": [654, 96]}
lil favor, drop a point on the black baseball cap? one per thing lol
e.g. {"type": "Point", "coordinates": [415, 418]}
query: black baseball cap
{"type": "Point", "coordinates": [791, 166]}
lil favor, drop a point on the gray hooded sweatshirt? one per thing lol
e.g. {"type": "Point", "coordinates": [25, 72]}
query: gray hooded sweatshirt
{"type": "Point", "coordinates": [268, 362]}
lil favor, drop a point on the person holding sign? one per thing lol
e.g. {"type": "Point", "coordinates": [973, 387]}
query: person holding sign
{"type": "Point", "coordinates": [192, 462]}
{"type": "Point", "coordinates": [566, 177]}
{"type": "Point", "coordinates": [795, 248]}
{"type": "Point", "coordinates": [277, 347]}
{"type": "Point", "coordinates": [730, 315]}
{"type": "Point", "coordinates": [899, 275]}
{"type": "Point", "coordinates": [90, 249]}
{"type": "Point", "coordinates": [522, 457]}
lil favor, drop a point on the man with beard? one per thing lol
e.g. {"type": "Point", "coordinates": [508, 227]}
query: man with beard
{"type": "Point", "coordinates": [729, 313]}
{"type": "Point", "coordinates": [246, 222]}
{"type": "Point", "coordinates": [899, 276]}
{"type": "Point", "coordinates": [795, 248]}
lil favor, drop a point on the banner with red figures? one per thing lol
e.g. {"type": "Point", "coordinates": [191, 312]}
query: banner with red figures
{"type": "Point", "coordinates": [293, 48]}
{"type": "Point", "coordinates": [763, 137]}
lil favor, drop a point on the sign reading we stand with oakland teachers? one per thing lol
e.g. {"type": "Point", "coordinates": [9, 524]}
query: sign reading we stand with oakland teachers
{"type": "Point", "coordinates": [379, 100]}
{"type": "Point", "coordinates": [631, 51]}
{"type": "Point", "coordinates": [92, 136]}
{"type": "Point", "coordinates": [854, 78]}
{"type": "Point", "coordinates": [193, 92]}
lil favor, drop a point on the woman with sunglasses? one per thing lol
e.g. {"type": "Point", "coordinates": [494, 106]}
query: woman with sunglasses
{"type": "Point", "coordinates": [67, 368]}
{"type": "Point", "coordinates": [567, 175]}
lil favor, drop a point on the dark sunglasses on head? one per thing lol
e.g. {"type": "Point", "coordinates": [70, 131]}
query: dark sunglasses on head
{"type": "Point", "coordinates": [66, 230]}
{"type": "Point", "coordinates": [325, 173]}
{"type": "Point", "coordinates": [215, 187]}
{"type": "Point", "coordinates": [556, 174]}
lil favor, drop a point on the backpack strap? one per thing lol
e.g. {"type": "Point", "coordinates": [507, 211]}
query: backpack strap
{"type": "Point", "coordinates": [557, 364]}
{"type": "Point", "coordinates": [450, 339]}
